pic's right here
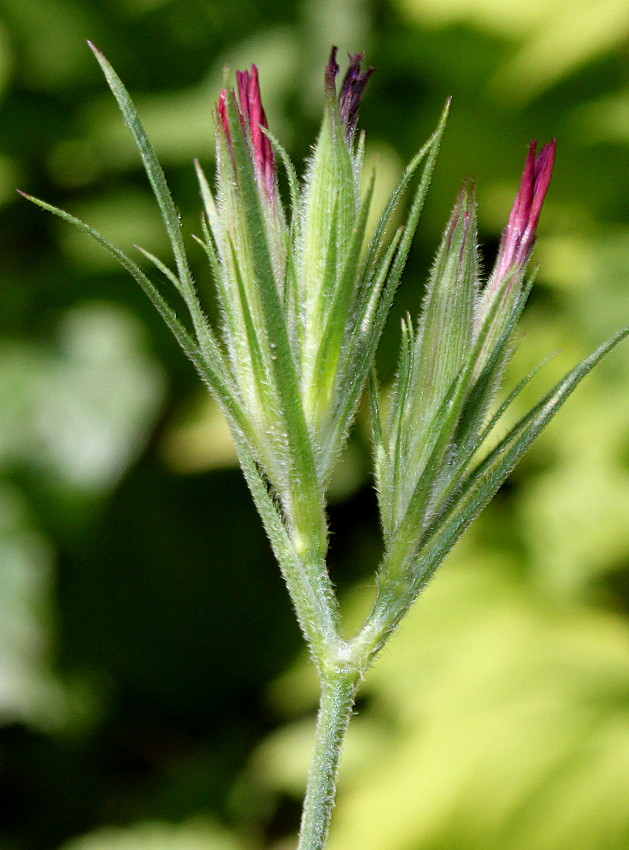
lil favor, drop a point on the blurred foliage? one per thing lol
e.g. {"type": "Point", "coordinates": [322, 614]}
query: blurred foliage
{"type": "Point", "coordinates": [153, 690]}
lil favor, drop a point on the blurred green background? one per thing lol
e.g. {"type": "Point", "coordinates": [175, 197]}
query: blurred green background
{"type": "Point", "coordinates": [154, 692]}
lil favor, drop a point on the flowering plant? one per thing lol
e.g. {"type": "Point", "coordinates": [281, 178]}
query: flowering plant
{"type": "Point", "coordinates": [304, 293]}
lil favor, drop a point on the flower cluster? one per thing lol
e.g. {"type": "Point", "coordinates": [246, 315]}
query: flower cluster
{"type": "Point", "coordinates": [294, 290]}
{"type": "Point", "coordinates": [304, 292]}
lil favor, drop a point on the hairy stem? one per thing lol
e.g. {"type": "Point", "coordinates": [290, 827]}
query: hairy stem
{"type": "Point", "coordinates": [337, 698]}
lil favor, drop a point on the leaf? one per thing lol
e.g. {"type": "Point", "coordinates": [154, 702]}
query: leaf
{"type": "Point", "coordinates": [168, 273]}
{"type": "Point", "coordinates": [456, 470]}
{"type": "Point", "coordinates": [209, 363]}
{"type": "Point", "coordinates": [373, 312]}
{"type": "Point", "coordinates": [152, 167]}
{"type": "Point", "coordinates": [328, 184]}
{"type": "Point", "coordinates": [259, 357]}
{"type": "Point", "coordinates": [350, 372]}
{"type": "Point", "coordinates": [379, 236]}
{"type": "Point", "coordinates": [396, 433]}
{"type": "Point", "coordinates": [207, 197]}
{"type": "Point", "coordinates": [414, 504]}
{"type": "Point", "coordinates": [291, 174]}
{"type": "Point", "coordinates": [224, 298]}
{"type": "Point", "coordinates": [156, 177]}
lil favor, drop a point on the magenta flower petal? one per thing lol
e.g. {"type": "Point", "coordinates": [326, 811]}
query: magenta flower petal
{"type": "Point", "coordinates": [253, 116]}
{"type": "Point", "coordinates": [519, 234]}
{"type": "Point", "coordinates": [253, 120]}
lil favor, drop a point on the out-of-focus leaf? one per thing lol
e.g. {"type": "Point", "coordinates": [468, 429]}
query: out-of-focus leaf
{"type": "Point", "coordinates": [486, 674]}
{"type": "Point", "coordinates": [194, 835]}
{"type": "Point", "coordinates": [29, 692]}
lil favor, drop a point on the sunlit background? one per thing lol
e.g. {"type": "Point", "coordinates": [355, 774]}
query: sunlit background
{"type": "Point", "coordinates": [154, 692]}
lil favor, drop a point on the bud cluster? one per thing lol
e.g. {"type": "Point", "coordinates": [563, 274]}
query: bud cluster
{"type": "Point", "coordinates": [304, 292]}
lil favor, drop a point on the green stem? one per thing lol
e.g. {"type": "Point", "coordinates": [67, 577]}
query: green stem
{"type": "Point", "coordinates": [335, 707]}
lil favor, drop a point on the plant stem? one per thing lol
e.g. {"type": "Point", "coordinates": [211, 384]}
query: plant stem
{"type": "Point", "coordinates": [337, 698]}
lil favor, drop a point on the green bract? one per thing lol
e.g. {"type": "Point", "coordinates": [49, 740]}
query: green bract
{"type": "Point", "coordinates": [304, 294]}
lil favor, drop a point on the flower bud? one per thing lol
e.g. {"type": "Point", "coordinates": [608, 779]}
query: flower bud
{"type": "Point", "coordinates": [331, 206]}
{"type": "Point", "coordinates": [518, 237]}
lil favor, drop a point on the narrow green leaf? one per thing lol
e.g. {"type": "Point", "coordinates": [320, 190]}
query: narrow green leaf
{"type": "Point", "coordinates": [209, 363]}
{"type": "Point", "coordinates": [380, 232]}
{"type": "Point", "coordinates": [292, 307]}
{"type": "Point", "coordinates": [398, 437]}
{"type": "Point", "coordinates": [291, 174]}
{"type": "Point", "coordinates": [481, 486]}
{"type": "Point", "coordinates": [414, 501]}
{"type": "Point", "coordinates": [381, 462]}
{"type": "Point", "coordinates": [230, 327]}
{"type": "Point", "coordinates": [258, 350]}
{"type": "Point", "coordinates": [446, 324]}
{"type": "Point", "coordinates": [457, 469]}
{"type": "Point", "coordinates": [152, 167]}
{"type": "Point", "coordinates": [207, 197]}
{"type": "Point", "coordinates": [168, 273]}
{"type": "Point", "coordinates": [491, 473]}
{"type": "Point", "coordinates": [357, 358]}
{"type": "Point", "coordinates": [329, 182]}
{"type": "Point", "coordinates": [374, 407]}
{"type": "Point", "coordinates": [156, 177]}
{"type": "Point", "coordinates": [370, 321]}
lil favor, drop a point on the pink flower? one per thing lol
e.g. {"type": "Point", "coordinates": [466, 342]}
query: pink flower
{"type": "Point", "coordinates": [519, 234]}
{"type": "Point", "coordinates": [253, 119]}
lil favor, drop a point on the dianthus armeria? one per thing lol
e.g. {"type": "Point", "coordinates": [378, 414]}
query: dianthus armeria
{"type": "Point", "coordinates": [304, 290]}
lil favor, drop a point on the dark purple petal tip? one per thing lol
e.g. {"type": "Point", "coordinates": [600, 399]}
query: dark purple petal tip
{"type": "Point", "coordinates": [351, 93]}
{"type": "Point", "coordinates": [352, 89]}
{"type": "Point", "coordinates": [331, 71]}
